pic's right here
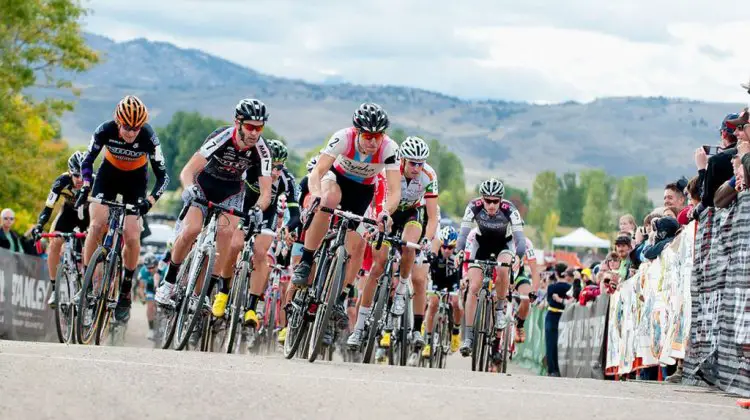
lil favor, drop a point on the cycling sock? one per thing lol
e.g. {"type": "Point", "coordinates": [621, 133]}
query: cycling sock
{"type": "Point", "coordinates": [362, 317]}
{"type": "Point", "coordinates": [171, 276]}
{"type": "Point", "coordinates": [519, 322]}
{"type": "Point", "coordinates": [343, 295]}
{"type": "Point", "coordinates": [470, 332]}
{"type": "Point", "coordinates": [252, 302]}
{"type": "Point", "coordinates": [52, 282]}
{"type": "Point", "coordinates": [307, 256]}
{"type": "Point", "coordinates": [127, 282]}
{"type": "Point", "coordinates": [402, 285]}
{"type": "Point", "coordinates": [224, 285]}
{"type": "Point", "coordinates": [456, 331]}
{"type": "Point", "coordinates": [427, 337]}
{"type": "Point", "coordinates": [151, 324]}
{"type": "Point", "coordinates": [418, 322]}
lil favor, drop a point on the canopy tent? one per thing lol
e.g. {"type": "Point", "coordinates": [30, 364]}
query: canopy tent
{"type": "Point", "coordinates": [581, 238]}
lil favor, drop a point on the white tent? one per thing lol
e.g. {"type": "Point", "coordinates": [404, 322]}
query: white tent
{"type": "Point", "coordinates": [581, 238]}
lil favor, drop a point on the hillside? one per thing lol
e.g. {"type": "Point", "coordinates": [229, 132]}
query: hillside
{"type": "Point", "coordinates": [651, 136]}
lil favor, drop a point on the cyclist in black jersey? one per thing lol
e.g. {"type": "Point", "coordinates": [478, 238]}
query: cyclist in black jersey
{"type": "Point", "coordinates": [282, 182]}
{"type": "Point", "coordinates": [499, 223]}
{"type": "Point", "coordinates": [445, 275]}
{"type": "Point", "coordinates": [129, 143]}
{"type": "Point", "coordinates": [217, 172]}
{"type": "Point", "coordinates": [68, 218]}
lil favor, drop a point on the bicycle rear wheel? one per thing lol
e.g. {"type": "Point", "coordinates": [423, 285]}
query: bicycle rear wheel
{"type": "Point", "coordinates": [477, 352]}
{"type": "Point", "coordinates": [90, 297]}
{"type": "Point", "coordinates": [64, 310]}
{"type": "Point", "coordinates": [111, 286]}
{"type": "Point", "coordinates": [331, 290]}
{"type": "Point", "coordinates": [489, 338]}
{"type": "Point", "coordinates": [166, 315]}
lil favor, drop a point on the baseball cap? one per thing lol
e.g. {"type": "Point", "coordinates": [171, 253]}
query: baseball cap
{"type": "Point", "coordinates": [736, 119]}
{"type": "Point", "coordinates": [729, 124]}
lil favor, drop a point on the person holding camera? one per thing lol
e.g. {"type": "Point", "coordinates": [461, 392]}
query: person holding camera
{"type": "Point", "coordinates": [557, 296]}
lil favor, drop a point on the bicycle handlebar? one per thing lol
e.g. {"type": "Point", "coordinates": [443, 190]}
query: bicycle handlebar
{"type": "Point", "coordinates": [397, 242]}
{"type": "Point", "coordinates": [348, 215]}
{"type": "Point", "coordinates": [130, 207]}
{"type": "Point", "coordinates": [77, 235]}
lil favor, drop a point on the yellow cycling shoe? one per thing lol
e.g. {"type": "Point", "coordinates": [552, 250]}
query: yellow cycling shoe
{"type": "Point", "coordinates": [426, 351]}
{"type": "Point", "coordinates": [220, 304]}
{"type": "Point", "coordinates": [282, 336]}
{"type": "Point", "coordinates": [455, 342]}
{"type": "Point", "coordinates": [385, 342]}
{"type": "Point", "coordinates": [251, 318]}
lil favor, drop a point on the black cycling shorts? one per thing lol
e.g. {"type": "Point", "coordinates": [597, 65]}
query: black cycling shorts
{"type": "Point", "coordinates": [483, 250]}
{"type": "Point", "coordinates": [402, 217]}
{"type": "Point", "coordinates": [111, 181]}
{"type": "Point", "coordinates": [355, 197]}
{"type": "Point", "coordinates": [67, 220]}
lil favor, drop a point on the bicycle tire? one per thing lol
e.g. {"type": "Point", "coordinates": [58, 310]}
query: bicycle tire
{"type": "Point", "coordinates": [64, 335]}
{"type": "Point", "coordinates": [170, 313]}
{"type": "Point", "coordinates": [237, 301]}
{"type": "Point", "coordinates": [332, 289]}
{"type": "Point", "coordinates": [490, 336]}
{"type": "Point", "coordinates": [271, 323]}
{"type": "Point", "coordinates": [403, 341]}
{"type": "Point", "coordinates": [374, 329]}
{"type": "Point", "coordinates": [84, 305]}
{"type": "Point", "coordinates": [112, 282]}
{"type": "Point", "coordinates": [296, 325]}
{"type": "Point", "coordinates": [183, 337]}
{"type": "Point", "coordinates": [506, 337]}
{"type": "Point", "coordinates": [478, 346]}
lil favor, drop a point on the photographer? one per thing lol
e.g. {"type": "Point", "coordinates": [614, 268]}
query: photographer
{"type": "Point", "coordinates": [557, 295]}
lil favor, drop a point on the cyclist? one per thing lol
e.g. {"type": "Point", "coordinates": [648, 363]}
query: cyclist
{"type": "Point", "coordinates": [445, 275]}
{"type": "Point", "coordinates": [67, 186]}
{"type": "Point", "coordinates": [282, 183]}
{"type": "Point", "coordinates": [217, 172]}
{"type": "Point", "coordinates": [149, 277]}
{"type": "Point", "coordinates": [525, 287]}
{"type": "Point", "coordinates": [345, 175]}
{"type": "Point", "coordinates": [498, 223]}
{"type": "Point", "coordinates": [129, 143]}
{"type": "Point", "coordinates": [418, 183]}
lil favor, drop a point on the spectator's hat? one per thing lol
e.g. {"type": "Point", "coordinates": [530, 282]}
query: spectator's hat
{"type": "Point", "coordinates": [737, 119]}
{"type": "Point", "coordinates": [730, 123]}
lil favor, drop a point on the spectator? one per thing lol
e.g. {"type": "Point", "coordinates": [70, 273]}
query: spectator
{"type": "Point", "coordinates": [715, 170]}
{"type": "Point", "coordinates": [557, 295]}
{"type": "Point", "coordinates": [674, 194]}
{"type": "Point", "coordinates": [663, 232]}
{"type": "Point", "coordinates": [11, 240]}
{"type": "Point", "coordinates": [672, 211]}
{"type": "Point", "coordinates": [627, 224]}
{"type": "Point", "coordinates": [693, 192]}
{"type": "Point", "coordinates": [623, 248]}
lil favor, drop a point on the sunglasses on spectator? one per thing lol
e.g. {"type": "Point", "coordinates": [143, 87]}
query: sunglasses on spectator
{"type": "Point", "coordinates": [253, 127]}
{"type": "Point", "coordinates": [370, 136]}
{"type": "Point", "coordinates": [9, 218]}
{"type": "Point", "coordinates": [491, 200]}
{"type": "Point", "coordinates": [130, 128]}
{"type": "Point", "coordinates": [450, 247]}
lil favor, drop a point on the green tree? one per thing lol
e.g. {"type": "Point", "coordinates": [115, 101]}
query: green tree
{"type": "Point", "coordinates": [549, 228]}
{"type": "Point", "coordinates": [543, 197]}
{"type": "Point", "coordinates": [596, 211]}
{"type": "Point", "coordinates": [40, 46]}
{"type": "Point", "coordinates": [570, 199]}
{"type": "Point", "coordinates": [632, 196]}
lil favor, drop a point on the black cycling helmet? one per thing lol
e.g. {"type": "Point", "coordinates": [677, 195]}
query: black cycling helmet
{"type": "Point", "coordinates": [251, 109]}
{"type": "Point", "coordinates": [371, 118]}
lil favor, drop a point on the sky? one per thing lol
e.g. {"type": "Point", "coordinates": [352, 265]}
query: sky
{"type": "Point", "coordinates": [540, 51]}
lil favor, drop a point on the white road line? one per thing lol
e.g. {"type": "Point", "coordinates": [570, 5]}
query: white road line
{"type": "Point", "coordinates": [365, 381]}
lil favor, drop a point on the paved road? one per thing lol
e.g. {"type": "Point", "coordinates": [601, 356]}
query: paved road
{"type": "Point", "coordinates": [43, 380]}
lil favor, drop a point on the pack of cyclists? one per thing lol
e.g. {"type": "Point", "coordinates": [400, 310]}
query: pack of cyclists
{"type": "Point", "coordinates": [361, 171]}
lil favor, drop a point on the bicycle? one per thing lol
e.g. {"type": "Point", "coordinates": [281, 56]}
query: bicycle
{"type": "Point", "coordinates": [440, 345]}
{"type": "Point", "coordinates": [314, 305]}
{"type": "Point", "coordinates": [272, 308]}
{"type": "Point", "coordinates": [67, 284]}
{"type": "Point", "coordinates": [484, 317]}
{"type": "Point", "coordinates": [192, 309]}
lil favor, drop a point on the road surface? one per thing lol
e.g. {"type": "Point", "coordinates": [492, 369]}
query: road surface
{"type": "Point", "coordinates": [45, 380]}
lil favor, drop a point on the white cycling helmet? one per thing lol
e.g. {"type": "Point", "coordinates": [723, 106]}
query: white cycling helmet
{"type": "Point", "coordinates": [414, 148]}
{"type": "Point", "coordinates": [492, 188]}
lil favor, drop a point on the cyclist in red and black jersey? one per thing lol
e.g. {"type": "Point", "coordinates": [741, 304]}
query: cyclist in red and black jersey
{"type": "Point", "coordinates": [129, 143]}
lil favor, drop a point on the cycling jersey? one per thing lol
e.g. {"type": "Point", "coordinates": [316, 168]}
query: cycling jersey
{"type": "Point", "coordinates": [358, 167]}
{"type": "Point", "coordinates": [148, 278]}
{"type": "Point", "coordinates": [125, 156]}
{"type": "Point", "coordinates": [415, 191]}
{"type": "Point", "coordinates": [443, 273]}
{"type": "Point", "coordinates": [494, 230]}
{"type": "Point", "coordinates": [62, 187]}
{"type": "Point", "coordinates": [378, 201]}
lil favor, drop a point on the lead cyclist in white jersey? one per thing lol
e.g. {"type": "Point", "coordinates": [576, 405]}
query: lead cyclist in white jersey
{"type": "Point", "coordinates": [345, 175]}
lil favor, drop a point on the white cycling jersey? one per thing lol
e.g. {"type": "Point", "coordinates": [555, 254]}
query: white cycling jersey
{"type": "Point", "coordinates": [415, 191]}
{"type": "Point", "coordinates": [357, 166]}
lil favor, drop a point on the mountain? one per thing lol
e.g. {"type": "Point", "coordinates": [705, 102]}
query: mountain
{"type": "Point", "coordinates": [513, 140]}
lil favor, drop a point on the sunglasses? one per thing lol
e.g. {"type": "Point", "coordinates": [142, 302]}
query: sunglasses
{"type": "Point", "coordinates": [278, 166]}
{"type": "Point", "coordinates": [491, 200]}
{"type": "Point", "coordinates": [415, 164]}
{"type": "Point", "coordinates": [253, 127]}
{"type": "Point", "coordinates": [449, 247]}
{"type": "Point", "coordinates": [130, 128]}
{"type": "Point", "coordinates": [9, 218]}
{"type": "Point", "coordinates": [370, 136]}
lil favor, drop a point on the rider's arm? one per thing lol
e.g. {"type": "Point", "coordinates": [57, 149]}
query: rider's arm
{"type": "Point", "coordinates": [191, 169]}
{"type": "Point", "coordinates": [60, 183]}
{"type": "Point", "coordinates": [321, 168]}
{"type": "Point", "coordinates": [432, 217]}
{"type": "Point", "coordinates": [393, 193]}
{"type": "Point", "coordinates": [516, 226]}
{"type": "Point", "coordinates": [158, 165]}
{"type": "Point", "coordinates": [466, 224]}
{"type": "Point", "coordinates": [95, 146]}
{"type": "Point", "coordinates": [265, 192]}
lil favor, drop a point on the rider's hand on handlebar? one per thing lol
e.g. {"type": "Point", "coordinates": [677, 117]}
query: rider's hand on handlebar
{"type": "Point", "coordinates": [82, 196]}
{"type": "Point", "coordinates": [190, 193]}
{"type": "Point", "coordinates": [36, 232]}
{"type": "Point", "coordinates": [384, 221]}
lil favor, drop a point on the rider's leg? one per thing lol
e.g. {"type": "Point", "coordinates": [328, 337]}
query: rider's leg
{"type": "Point", "coordinates": [501, 286]}
{"type": "Point", "coordinates": [150, 313]}
{"type": "Point", "coordinates": [355, 246]}
{"type": "Point", "coordinates": [523, 310]}
{"type": "Point", "coordinates": [419, 279]}
{"type": "Point", "coordinates": [432, 308]}
{"type": "Point", "coordinates": [456, 332]}
{"type": "Point", "coordinates": [98, 227]}
{"type": "Point", "coordinates": [259, 277]}
{"type": "Point", "coordinates": [331, 197]}
{"type": "Point", "coordinates": [130, 252]}
{"type": "Point", "coordinates": [379, 258]}
{"type": "Point", "coordinates": [190, 229]}
{"type": "Point", "coordinates": [475, 283]}
{"type": "Point", "coordinates": [53, 256]}
{"type": "Point", "coordinates": [412, 231]}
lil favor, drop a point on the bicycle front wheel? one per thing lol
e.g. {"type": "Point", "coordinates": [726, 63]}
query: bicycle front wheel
{"type": "Point", "coordinates": [90, 297]}
{"type": "Point", "coordinates": [187, 318]}
{"type": "Point", "coordinates": [477, 353]}
{"type": "Point", "coordinates": [375, 327]}
{"type": "Point", "coordinates": [237, 301]}
{"type": "Point", "coordinates": [296, 323]}
{"type": "Point", "coordinates": [331, 291]}
{"type": "Point", "coordinates": [64, 310]}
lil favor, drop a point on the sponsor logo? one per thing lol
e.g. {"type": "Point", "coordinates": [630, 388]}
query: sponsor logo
{"type": "Point", "coordinates": [28, 292]}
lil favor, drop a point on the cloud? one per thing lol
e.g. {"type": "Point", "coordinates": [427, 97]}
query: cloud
{"type": "Point", "coordinates": [534, 50]}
